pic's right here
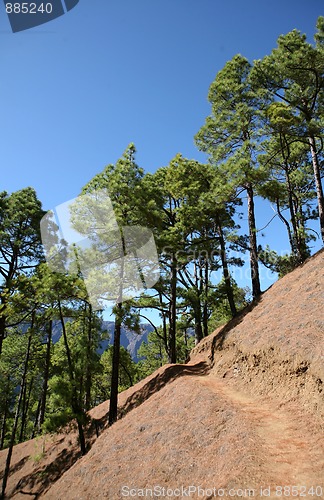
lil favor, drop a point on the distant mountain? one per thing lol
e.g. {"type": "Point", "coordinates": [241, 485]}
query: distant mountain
{"type": "Point", "coordinates": [129, 339]}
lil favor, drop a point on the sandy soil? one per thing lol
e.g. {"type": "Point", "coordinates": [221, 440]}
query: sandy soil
{"type": "Point", "coordinates": [200, 431]}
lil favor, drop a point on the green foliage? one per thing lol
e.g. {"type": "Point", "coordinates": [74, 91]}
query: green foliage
{"type": "Point", "coordinates": [153, 354]}
{"type": "Point", "coordinates": [123, 184]}
{"type": "Point", "coordinates": [128, 374]}
{"type": "Point", "coordinates": [281, 264]}
{"type": "Point", "coordinates": [221, 312]}
{"type": "Point", "coordinates": [20, 248]}
{"type": "Point", "coordinates": [20, 215]}
{"type": "Point", "coordinates": [263, 137]}
{"type": "Point", "coordinates": [293, 75]}
{"type": "Point", "coordinates": [232, 131]}
{"type": "Point", "coordinates": [83, 342]}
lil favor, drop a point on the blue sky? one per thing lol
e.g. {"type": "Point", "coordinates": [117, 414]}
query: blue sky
{"type": "Point", "coordinates": [76, 91]}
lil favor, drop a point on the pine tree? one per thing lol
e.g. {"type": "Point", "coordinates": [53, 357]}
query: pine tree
{"type": "Point", "coordinates": [294, 74]}
{"type": "Point", "coordinates": [230, 136]}
{"type": "Point", "coordinates": [20, 247]}
{"type": "Point", "coordinates": [289, 184]}
{"type": "Point", "coordinates": [122, 183]}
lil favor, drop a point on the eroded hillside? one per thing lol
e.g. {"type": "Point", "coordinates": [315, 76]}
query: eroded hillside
{"type": "Point", "coordinates": [244, 416]}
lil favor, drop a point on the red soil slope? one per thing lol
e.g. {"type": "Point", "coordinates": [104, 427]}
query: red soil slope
{"type": "Point", "coordinates": [244, 418]}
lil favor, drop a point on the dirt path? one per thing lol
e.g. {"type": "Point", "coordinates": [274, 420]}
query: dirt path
{"type": "Point", "coordinates": [202, 430]}
{"type": "Point", "coordinates": [289, 448]}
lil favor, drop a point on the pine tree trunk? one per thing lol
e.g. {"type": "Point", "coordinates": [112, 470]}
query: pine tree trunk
{"type": "Point", "coordinates": [2, 325]}
{"type": "Point", "coordinates": [173, 312]}
{"type": "Point", "coordinates": [164, 324]}
{"type": "Point", "coordinates": [77, 410]}
{"type": "Point", "coordinates": [318, 183]}
{"type": "Point", "coordinates": [88, 367]}
{"type": "Point", "coordinates": [203, 295]}
{"type": "Point", "coordinates": [4, 425]}
{"type": "Point", "coordinates": [256, 289]}
{"type": "Point", "coordinates": [297, 241]}
{"type": "Point", "coordinates": [113, 404]}
{"type": "Point", "coordinates": [292, 240]}
{"type": "Point", "coordinates": [197, 306]}
{"type": "Point", "coordinates": [42, 408]}
{"type": "Point", "coordinates": [302, 245]}
{"type": "Point", "coordinates": [129, 375]}
{"type": "Point", "coordinates": [25, 408]}
{"type": "Point", "coordinates": [5, 415]}
{"type": "Point", "coordinates": [293, 244]}
{"type": "Point", "coordinates": [205, 307]}
{"type": "Point", "coordinates": [15, 426]}
{"type": "Point", "coordinates": [35, 426]}
{"type": "Point", "coordinates": [198, 326]}
{"type": "Point", "coordinates": [185, 339]}
{"type": "Point", "coordinates": [226, 273]}
{"type": "Point", "coordinates": [22, 419]}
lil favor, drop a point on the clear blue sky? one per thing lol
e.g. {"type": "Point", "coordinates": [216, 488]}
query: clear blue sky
{"type": "Point", "coordinates": [76, 91]}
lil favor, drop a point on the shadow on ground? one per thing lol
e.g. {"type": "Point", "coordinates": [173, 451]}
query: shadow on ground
{"type": "Point", "coordinates": [45, 476]}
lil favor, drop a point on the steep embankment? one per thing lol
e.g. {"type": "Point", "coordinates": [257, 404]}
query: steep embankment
{"type": "Point", "coordinates": [246, 413]}
{"type": "Point", "coordinates": [277, 349]}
